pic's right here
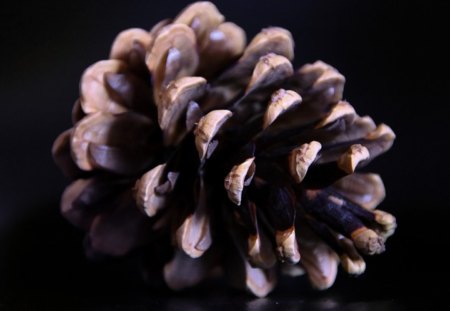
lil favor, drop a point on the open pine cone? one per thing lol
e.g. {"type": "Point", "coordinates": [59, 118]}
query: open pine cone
{"type": "Point", "coordinates": [205, 155]}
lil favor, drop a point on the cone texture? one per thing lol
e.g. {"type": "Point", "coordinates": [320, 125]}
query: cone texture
{"type": "Point", "coordinates": [209, 154]}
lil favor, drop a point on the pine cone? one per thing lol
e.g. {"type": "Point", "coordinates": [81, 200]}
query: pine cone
{"type": "Point", "coordinates": [207, 154]}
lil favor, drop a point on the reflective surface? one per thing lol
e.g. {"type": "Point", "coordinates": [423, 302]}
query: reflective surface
{"type": "Point", "coordinates": [44, 267]}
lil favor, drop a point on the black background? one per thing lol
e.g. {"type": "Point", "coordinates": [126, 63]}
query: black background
{"type": "Point", "coordinates": [393, 56]}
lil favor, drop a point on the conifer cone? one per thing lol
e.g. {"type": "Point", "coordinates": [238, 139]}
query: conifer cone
{"type": "Point", "coordinates": [206, 154]}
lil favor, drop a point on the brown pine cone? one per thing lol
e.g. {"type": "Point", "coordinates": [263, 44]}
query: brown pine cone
{"type": "Point", "coordinates": [212, 155]}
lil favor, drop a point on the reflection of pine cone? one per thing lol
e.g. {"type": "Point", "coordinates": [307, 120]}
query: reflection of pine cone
{"type": "Point", "coordinates": [235, 160]}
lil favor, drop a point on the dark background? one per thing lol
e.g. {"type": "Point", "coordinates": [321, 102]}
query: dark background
{"type": "Point", "coordinates": [392, 54]}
